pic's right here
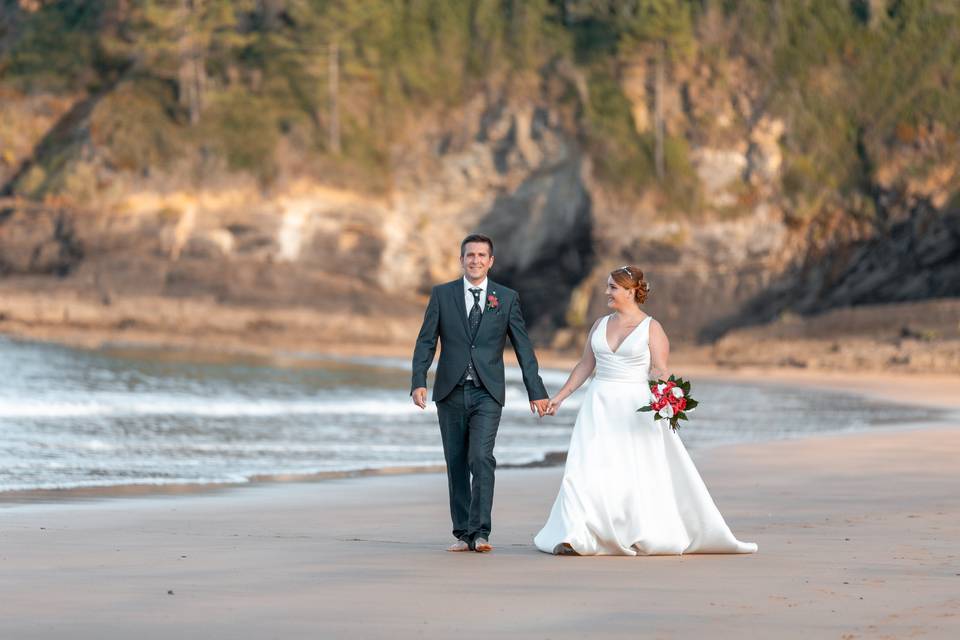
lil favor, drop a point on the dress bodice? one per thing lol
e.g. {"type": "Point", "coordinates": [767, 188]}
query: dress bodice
{"type": "Point", "coordinates": [630, 362]}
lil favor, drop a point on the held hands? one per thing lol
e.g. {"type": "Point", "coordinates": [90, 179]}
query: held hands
{"type": "Point", "coordinates": [539, 407]}
{"type": "Point", "coordinates": [420, 397]}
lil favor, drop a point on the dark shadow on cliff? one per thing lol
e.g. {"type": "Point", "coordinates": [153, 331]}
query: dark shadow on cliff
{"type": "Point", "coordinates": [544, 246]}
{"type": "Point", "coordinates": [62, 143]}
{"type": "Point", "coordinates": [915, 259]}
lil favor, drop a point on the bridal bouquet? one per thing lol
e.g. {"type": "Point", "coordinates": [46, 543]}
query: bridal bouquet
{"type": "Point", "coordinates": [671, 400]}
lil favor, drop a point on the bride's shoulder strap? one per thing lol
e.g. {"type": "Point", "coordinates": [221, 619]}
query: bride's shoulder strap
{"type": "Point", "coordinates": [596, 323]}
{"type": "Point", "coordinates": [655, 326]}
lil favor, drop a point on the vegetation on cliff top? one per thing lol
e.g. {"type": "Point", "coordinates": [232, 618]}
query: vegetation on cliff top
{"type": "Point", "coordinates": [224, 84]}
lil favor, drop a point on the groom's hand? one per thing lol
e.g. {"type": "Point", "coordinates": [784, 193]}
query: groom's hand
{"type": "Point", "coordinates": [420, 397]}
{"type": "Point", "coordinates": [539, 406]}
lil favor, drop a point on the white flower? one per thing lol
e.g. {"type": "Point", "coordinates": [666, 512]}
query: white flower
{"type": "Point", "coordinates": [677, 392]}
{"type": "Point", "coordinates": [666, 412]}
{"type": "Point", "coordinates": [660, 388]}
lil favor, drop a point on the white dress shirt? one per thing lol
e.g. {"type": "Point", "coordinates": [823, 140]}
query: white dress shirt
{"type": "Point", "coordinates": [468, 297]}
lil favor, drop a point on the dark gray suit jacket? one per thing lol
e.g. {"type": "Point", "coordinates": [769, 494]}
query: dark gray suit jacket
{"type": "Point", "coordinates": [446, 319]}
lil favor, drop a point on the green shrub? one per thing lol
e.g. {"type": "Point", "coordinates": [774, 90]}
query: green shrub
{"type": "Point", "coordinates": [133, 126]}
{"type": "Point", "coordinates": [241, 126]}
{"type": "Point", "coordinates": [621, 156]}
{"type": "Point", "coordinates": [54, 48]}
{"type": "Point", "coordinates": [851, 83]}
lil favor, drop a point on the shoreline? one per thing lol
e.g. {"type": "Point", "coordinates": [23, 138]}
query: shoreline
{"type": "Point", "coordinates": [909, 388]}
{"type": "Point", "coordinates": [141, 490]}
{"type": "Point", "coordinates": [886, 387]}
{"type": "Point", "coordinates": [550, 459]}
{"type": "Point", "coordinates": [881, 339]}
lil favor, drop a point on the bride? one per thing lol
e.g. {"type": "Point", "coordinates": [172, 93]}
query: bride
{"type": "Point", "coordinates": [629, 486]}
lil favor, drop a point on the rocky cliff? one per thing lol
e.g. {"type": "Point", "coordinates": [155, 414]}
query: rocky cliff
{"type": "Point", "coordinates": [726, 239]}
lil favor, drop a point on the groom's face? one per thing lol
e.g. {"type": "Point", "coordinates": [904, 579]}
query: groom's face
{"type": "Point", "coordinates": [476, 260]}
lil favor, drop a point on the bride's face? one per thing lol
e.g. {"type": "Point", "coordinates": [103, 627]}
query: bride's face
{"type": "Point", "coordinates": [617, 296]}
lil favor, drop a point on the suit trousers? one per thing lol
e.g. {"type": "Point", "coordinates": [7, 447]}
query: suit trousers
{"type": "Point", "coordinates": [469, 419]}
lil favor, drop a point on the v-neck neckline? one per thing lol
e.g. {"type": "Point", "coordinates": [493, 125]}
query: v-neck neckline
{"type": "Point", "coordinates": [625, 338]}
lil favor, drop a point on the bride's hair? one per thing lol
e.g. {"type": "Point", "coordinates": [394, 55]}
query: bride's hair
{"type": "Point", "coordinates": [631, 277]}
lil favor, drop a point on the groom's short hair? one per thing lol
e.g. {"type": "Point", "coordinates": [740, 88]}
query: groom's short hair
{"type": "Point", "coordinates": [475, 237]}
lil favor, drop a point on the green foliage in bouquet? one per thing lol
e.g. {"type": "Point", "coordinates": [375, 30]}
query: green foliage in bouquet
{"type": "Point", "coordinates": [666, 405]}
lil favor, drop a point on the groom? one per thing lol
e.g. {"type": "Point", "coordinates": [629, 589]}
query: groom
{"type": "Point", "coordinates": [472, 316]}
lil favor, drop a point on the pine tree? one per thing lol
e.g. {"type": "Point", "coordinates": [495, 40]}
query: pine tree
{"type": "Point", "coordinates": [667, 25]}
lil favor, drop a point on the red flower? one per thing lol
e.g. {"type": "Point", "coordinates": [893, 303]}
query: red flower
{"type": "Point", "coordinates": [492, 301]}
{"type": "Point", "coordinates": [663, 394]}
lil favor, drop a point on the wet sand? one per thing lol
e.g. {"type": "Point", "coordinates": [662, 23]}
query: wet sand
{"type": "Point", "coordinates": [857, 533]}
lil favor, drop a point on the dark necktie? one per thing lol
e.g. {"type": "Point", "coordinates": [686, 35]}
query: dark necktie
{"type": "Point", "coordinates": [474, 318]}
{"type": "Point", "coordinates": [474, 321]}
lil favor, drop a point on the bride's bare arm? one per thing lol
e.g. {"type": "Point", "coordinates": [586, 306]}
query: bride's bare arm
{"type": "Point", "coordinates": [580, 372]}
{"type": "Point", "coordinates": [659, 352]}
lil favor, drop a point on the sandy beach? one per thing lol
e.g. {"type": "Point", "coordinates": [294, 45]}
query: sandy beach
{"type": "Point", "coordinates": [858, 539]}
{"type": "Point", "coordinates": [230, 232]}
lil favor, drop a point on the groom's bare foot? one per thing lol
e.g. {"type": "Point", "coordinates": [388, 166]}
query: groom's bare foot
{"type": "Point", "coordinates": [481, 545]}
{"type": "Point", "coordinates": [459, 546]}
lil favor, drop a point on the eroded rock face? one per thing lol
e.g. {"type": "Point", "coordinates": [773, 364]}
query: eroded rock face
{"type": "Point", "coordinates": [37, 240]}
{"type": "Point", "coordinates": [697, 272]}
{"type": "Point", "coordinates": [511, 170]}
{"type": "Point", "coordinates": [719, 170]}
{"type": "Point", "coordinates": [512, 164]}
{"type": "Point", "coordinates": [514, 172]}
{"type": "Point", "coordinates": [545, 241]}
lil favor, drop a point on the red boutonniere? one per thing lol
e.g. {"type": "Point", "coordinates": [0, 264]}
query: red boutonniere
{"type": "Point", "coordinates": [492, 301]}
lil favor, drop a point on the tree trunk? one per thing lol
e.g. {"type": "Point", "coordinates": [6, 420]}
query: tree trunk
{"type": "Point", "coordinates": [192, 74]}
{"type": "Point", "coordinates": [658, 113]}
{"type": "Point", "coordinates": [334, 80]}
{"type": "Point", "coordinates": [269, 11]}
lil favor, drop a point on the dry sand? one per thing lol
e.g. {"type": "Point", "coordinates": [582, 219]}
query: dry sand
{"type": "Point", "coordinates": [858, 538]}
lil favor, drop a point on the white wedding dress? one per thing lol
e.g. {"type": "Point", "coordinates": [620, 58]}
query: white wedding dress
{"type": "Point", "coordinates": [629, 486]}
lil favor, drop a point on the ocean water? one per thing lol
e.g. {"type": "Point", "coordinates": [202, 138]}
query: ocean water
{"type": "Point", "coordinates": [71, 418]}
